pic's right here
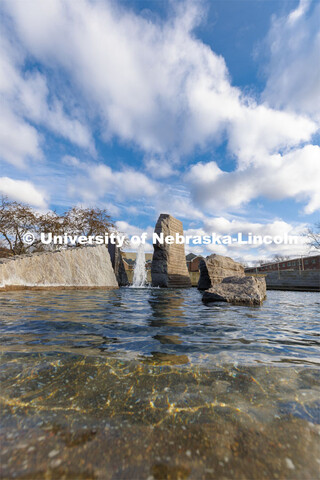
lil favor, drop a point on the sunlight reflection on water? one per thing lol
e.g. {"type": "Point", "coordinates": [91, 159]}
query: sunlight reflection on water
{"type": "Point", "coordinates": [150, 383]}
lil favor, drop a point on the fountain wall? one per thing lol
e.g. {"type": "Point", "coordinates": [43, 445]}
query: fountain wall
{"type": "Point", "coordinates": [87, 267]}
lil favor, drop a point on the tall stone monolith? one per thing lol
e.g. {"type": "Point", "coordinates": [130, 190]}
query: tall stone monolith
{"type": "Point", "coordinates": [169, 266]}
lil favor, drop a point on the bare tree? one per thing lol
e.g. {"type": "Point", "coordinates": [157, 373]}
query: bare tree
{"type": "Point", "coordinates": [313, 236]}
{"type": "Point", "coordinates": [50, 222]}
{"type": "Point", "coordinates": [87, 221]}
{"type": "Point", "coordinates": [280, 258]}
{"type": "Point", "coordinates": [261, 261]}
{"type": "Point", "coordinates": [17, 219]}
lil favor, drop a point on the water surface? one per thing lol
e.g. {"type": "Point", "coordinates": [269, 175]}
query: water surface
{"type": "Point", "coordinates": [150, 383]}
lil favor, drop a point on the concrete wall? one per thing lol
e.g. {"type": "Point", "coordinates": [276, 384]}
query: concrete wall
{"type": "Point", "coordinates": [308, 280]}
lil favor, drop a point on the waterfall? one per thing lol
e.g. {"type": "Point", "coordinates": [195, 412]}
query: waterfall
{"type": "Point", "coordinates": [140, 272]}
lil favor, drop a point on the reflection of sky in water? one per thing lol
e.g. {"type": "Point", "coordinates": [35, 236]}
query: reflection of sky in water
{"type": "Point", "coordinates": [153, 384]}
{"type": "Point", "coordinates": [142, 322]}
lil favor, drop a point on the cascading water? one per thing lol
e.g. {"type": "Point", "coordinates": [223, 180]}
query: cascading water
{"type": "Point", "coordinates": [140, 272]}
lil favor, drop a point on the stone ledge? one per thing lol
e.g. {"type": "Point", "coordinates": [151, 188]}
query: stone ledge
{"type": "Point", "coordinates": [14, 288]}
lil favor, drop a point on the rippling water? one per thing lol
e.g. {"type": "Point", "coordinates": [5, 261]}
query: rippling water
{"type": "Point", "coordinates": [150, 383]}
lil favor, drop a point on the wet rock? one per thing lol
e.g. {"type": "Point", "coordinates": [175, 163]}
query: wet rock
{"type": "Point", "coordinates": [217, 267]}
{"type": "Point", "coordinates": [169, 266]}
{"type": "Point", "coordinates": [86, 267]}
{"type": "Point", "coordinates": [250, 291]}
{"type": "Point", "coordinates": [118, 265]}
{"type": "Point", "coordinates": [204, 280]}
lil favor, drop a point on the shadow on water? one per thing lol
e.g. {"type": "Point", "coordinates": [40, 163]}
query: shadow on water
{"type": "Point", "coordinates": [149, 383]}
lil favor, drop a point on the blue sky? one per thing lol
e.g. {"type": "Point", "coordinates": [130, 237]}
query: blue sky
{"type": "Point", "coordinates": [205, 110]}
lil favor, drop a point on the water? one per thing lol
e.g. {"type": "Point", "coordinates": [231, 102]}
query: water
{"type": "Point", "coordinates": [152, 384]}
{"type": "Point", "coordinates": [140, 272]}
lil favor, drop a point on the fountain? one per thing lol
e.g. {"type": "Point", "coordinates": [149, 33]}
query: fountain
{"type": "Point", "coordinates": [85, 267]}
{"type": "Point", "coordinates": [140, 272]}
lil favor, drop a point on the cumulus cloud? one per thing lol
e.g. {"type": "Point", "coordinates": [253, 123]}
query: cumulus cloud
{"type": "Point", "coordinates": [258, 131]}
{"type": "Point", "coordinates": [233, 226]}
{"type": "Point", "coordinates": [225, 226]}
{"type": "Point", "coordinates": [18, 139]}
{"type": "Point", "coordinates": [92, 181]}
{"type": "Point", "coordinates": [33, 101]}
{"type": "Point", "coordinates": [178, 203]}
{"type": "Point", "coordinates": [154, 83]}
{"type": "Point", "coordinates": [293, 175]}
{"type": "Point", "coordinates": [24, 100]}
{"type": "Point", "coordinates": [132, 230]}
{"type": "Point", "coordinates": [160, 167]}
{"type": "Point", "coordinates": [294, 68]}
{"type": "Point", "coordinates": [22, 191]}
{"type": "Point", "coordinates": [175, 93]}
{"type": "Point", "coordinates": [125, 183]}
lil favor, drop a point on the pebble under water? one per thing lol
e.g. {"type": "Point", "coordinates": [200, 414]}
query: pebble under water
{"type": "Point", "coordinates": [151, 384]}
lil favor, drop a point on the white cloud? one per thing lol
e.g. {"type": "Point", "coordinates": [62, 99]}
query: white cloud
{"type": "Point", "coordinates": [157, 85]}
{"type": "Point", "coordinates": [25, 98]}
{"type": "Point", "coordinates": [153, 84]}
{"type": "Point", "coordinates": [232, 226]}
{"type": "Point", "coordinates": [159, 167]}
{"type": "Point", "coordinates": [124, 184]}
{"type": "Point", "coordinates": [258, 131]}
{"type": "Point", "coordinates": [294, 66]}
{"type": "Point", "coordinates": [93, 181]}
{"type": "Point", "coordinates": [299, 11]}
{"type": "Point", "coordinates": [294, 175]}
{"type": "Point", "coordinates": [177, 203]}
{"type": "Point", "coordinates": [71, 161]}
{"type": "Point", "coordinates": [18, 139]}
{"type": "Point", "coordinates": [33, 100]}
{"type": "Point", "coordinates": [128, 229]}
{"type": "Point", "coordinates": [226, 226]}
{"type": "Point", "coordinates": [22, 191]}
{"type": "Point", "coordinates": [132, 230]}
